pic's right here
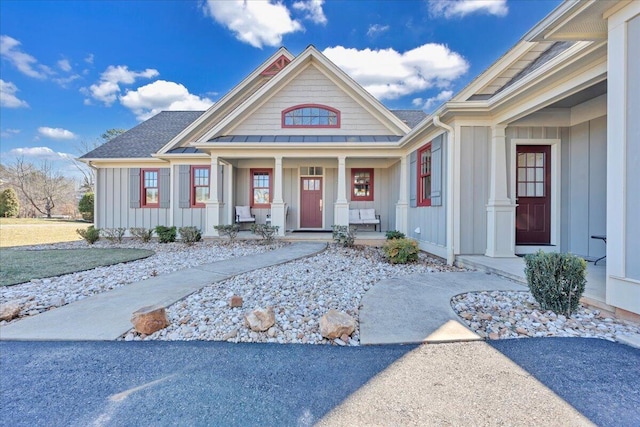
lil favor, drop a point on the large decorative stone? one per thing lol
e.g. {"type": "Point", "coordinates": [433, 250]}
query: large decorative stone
{"type": "Point", "coordinates": [9, 311]}
{"type": "Point", "coordinates": [260, 320]}
{"type": "Point", "coordinates": [150, 319]}
{"type": "Point", "coordinates": [336, 323]}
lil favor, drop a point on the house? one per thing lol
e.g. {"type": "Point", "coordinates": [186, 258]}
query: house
{"type": "Point", "coordinates": [539, 151]}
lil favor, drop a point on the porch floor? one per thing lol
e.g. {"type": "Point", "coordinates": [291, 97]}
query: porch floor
{"type": "Point", "coordinates": [375, 238]}
{"type": "Point", "coordinates": [513, 268]}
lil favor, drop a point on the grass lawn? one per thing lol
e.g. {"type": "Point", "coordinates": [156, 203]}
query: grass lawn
{"type": "Point", "coordinates": [18, 266]}
{"type": "Point", "coordinates": [36, 231]}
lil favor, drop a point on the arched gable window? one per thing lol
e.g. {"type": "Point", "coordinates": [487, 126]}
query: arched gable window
{"type": "Point", "coordinates": [311, 116]}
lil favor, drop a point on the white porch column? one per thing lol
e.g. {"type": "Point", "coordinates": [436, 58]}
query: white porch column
{"type": "Point", "coordinates": [213, 204]}
{"type": "Point", "coordinates": [402, 205]}
{"type": "Point", "coordinates": [278, 208]}
{"type": "Point", "coordinates": [341, 206]}
{"type": "Point", "coordinates": [501, 213]}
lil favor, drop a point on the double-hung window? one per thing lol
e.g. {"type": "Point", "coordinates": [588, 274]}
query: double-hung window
{"type": "Point", "coordinates": [199, 186]}
{"type": "Point", "coordinates": [424, 176]}
{"type": "Point", "coordinates": [150, 188]}
{"type": "Point", "coordinates": [361, 185]}
{"type": "Point", "coordinates": [261, 188]}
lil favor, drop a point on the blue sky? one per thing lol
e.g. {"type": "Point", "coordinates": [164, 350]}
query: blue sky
{"type": "Point", "coordinates": [69, 70]}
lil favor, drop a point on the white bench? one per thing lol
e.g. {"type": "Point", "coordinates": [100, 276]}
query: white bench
{"type": "Point", "coordinates": [364, 217]}
{"type": "Point", "coordinates": [244, 215]}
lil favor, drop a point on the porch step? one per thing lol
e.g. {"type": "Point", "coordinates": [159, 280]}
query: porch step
{"type": "Point", "coordinates": [465, 262]}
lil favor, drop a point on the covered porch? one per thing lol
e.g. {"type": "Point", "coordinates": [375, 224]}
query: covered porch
{"type": "Point", "coordinates": [307, 192]}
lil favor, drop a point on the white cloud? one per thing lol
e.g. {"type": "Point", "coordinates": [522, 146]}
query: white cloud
{"type": "Point", "coordinates": [64, 81]}
{"type": "Point", "coordinates": [461, 8]}
{"type": "Point", "coordinates": [8, 96]}
{"type": "Point", "coordinates": [256, 22]}
{"type": "Point", "coordinates": [64, 65]}
{"type": "Point", "coordinates": [161, 95]}
{"type": "Point", "coordinates": [24, 62]}
{"type": "Point", "coordinates": [55, 133]}
{"type": "Point", "coordinates": [376, 29]}
{"type": "Point", "coordinates": [313, 9]}
{"type": "Point", "coordinates": [8, 133]}
{"type": "Point", "coordinates": [388, 74]}
{"type": "Point", "coordinates": [89, 58]}
{"type": "Point", "coordinates": [427, 104]}
{"type": "Point", "coordinates": [40, 153]}
{"type": "Point", "coordinates": [107, 89]}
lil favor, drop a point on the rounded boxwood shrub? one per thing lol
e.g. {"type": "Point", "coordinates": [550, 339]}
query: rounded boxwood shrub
{"type": "Point", "coordinates": [166, 234]}
{"type": "Point", "coordinates": [556, 280]}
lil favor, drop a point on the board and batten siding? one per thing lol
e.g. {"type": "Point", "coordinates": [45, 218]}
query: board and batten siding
{"type": "Point", "coordinates": [310, 87]}
{"type": "Point", "coordinates": [475, 150]}
{"type": "Point", "coordinates": [183, 214]}
{"type": "Point", "coordinates": [431, 220]}
{"type": "Point", "coordinates": [113, 203]}
{"type": "Point", "coordinates": [584, 188]}
{"type": "Point", "coordinates": [382, 201]}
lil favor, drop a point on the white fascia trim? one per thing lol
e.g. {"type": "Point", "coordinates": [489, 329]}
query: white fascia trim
{"type": "Point", "coordinates": [122, 160]}
{"type": "Point", "coordinates": [287, 146]}
{"type": "Point", "coordinates": [494, 70]}
{"type": "Point", "coordinates": [556, 18]}
{"type": "Point", "coordinates": [225, 99]}
{"type": "Point", "coordinates": [356, 87]}
{"type": "Point", "coordinates": [296, 66]}
{"type": "Point", "coordinates": [548, 68]}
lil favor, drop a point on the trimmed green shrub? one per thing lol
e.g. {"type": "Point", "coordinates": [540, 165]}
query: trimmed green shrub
{"type": "Point", "coordinates": [166, 234]}
{"type": "Point", "coordinates": [267, 232]}
{"type": "Point", "coordinates": [113, 235]}
{"type": "Point", "coordinates": [394, 234]}
{"type": "Point", "coordinates": [91, 234]}
{"type": "Point", "coordinates": [231, 231]}
{"type": "Point", "coordinates": [556, 280]}
{"type": "Point", "coordinates": [344, 235]}
{"type": "Point", "coordinates": [401, 251]}
{"type": "Point", "coordinates": [144, 234]}
{"type": "Point", "coordinates": [9, 203]}
{"type": "Point", "coordinates": [85, 206]}
{"type": "Point", "coordinates": [190, 235]}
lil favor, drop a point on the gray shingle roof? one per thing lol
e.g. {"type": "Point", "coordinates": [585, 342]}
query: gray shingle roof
{"type": "Point", "coordinates": [146, 138]}
{"type": "Point", "coordinates": [410, 117]}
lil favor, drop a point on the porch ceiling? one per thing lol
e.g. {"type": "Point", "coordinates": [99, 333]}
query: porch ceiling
{"type": "Point", "coordinates": [582, 96]}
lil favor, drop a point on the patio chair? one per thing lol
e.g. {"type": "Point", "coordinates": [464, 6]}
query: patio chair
{"type": "Point", "coordinates": [244, 215]}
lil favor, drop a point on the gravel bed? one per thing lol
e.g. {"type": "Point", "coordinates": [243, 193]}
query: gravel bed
{"type": "Point", "coordinates": [300, 292]}
{"type": "Point", "coordinates": [40, 295]}
{"type": "Point", "coordinates": [516, 314]}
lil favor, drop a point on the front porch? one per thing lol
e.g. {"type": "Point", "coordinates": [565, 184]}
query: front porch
{"type": "Point", "coordinates": [513, 268]}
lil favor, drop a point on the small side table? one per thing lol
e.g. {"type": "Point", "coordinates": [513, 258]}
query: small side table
{"type": "Point", "coordinates": [604, 239]}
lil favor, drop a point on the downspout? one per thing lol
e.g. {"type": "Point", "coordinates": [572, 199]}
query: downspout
{"type": "Point", "coordinates": [451, 139]}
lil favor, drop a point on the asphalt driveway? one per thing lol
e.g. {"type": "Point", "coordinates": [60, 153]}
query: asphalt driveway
{"type": "Point", "coordinates": [516, 382]}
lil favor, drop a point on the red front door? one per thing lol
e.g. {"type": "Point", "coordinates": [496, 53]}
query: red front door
{"type": "Point", "coordinates": [533, 189]}
{"type": "Point", "coordinates": [311, 202]}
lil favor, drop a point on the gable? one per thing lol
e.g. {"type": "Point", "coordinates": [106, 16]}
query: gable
{"type": "Point", "coordinates": [310, 86]}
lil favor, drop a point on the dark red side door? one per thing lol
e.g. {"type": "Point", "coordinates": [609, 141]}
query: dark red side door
{"type": "Point", "coordinates": [533, 190]}
{"type": "Point", "coordinates": [311, 202]}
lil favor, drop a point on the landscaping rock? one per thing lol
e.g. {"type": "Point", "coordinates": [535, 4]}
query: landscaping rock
{"type": "Point", "coordinates": [150, 319]}
{"type": "Point", "coordinates": [9, 311]}
{"type": "Point", "coordinates": [260, 320]}
{"type": "Point", "coordinates": [235, 301]}
{"type": "Point", "coordinates": [336, 323]}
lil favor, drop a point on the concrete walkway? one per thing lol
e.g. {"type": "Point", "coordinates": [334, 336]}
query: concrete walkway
{"type": "Point", "coordinates": [108, 315]}
{"type": "Point", "coordinates": [417, 308]}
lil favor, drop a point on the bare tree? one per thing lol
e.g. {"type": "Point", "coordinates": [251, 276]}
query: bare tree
{"type": "Point", "coordinates": [84, 147]}
{"type": "Point", "coordinates": [42, 187]}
